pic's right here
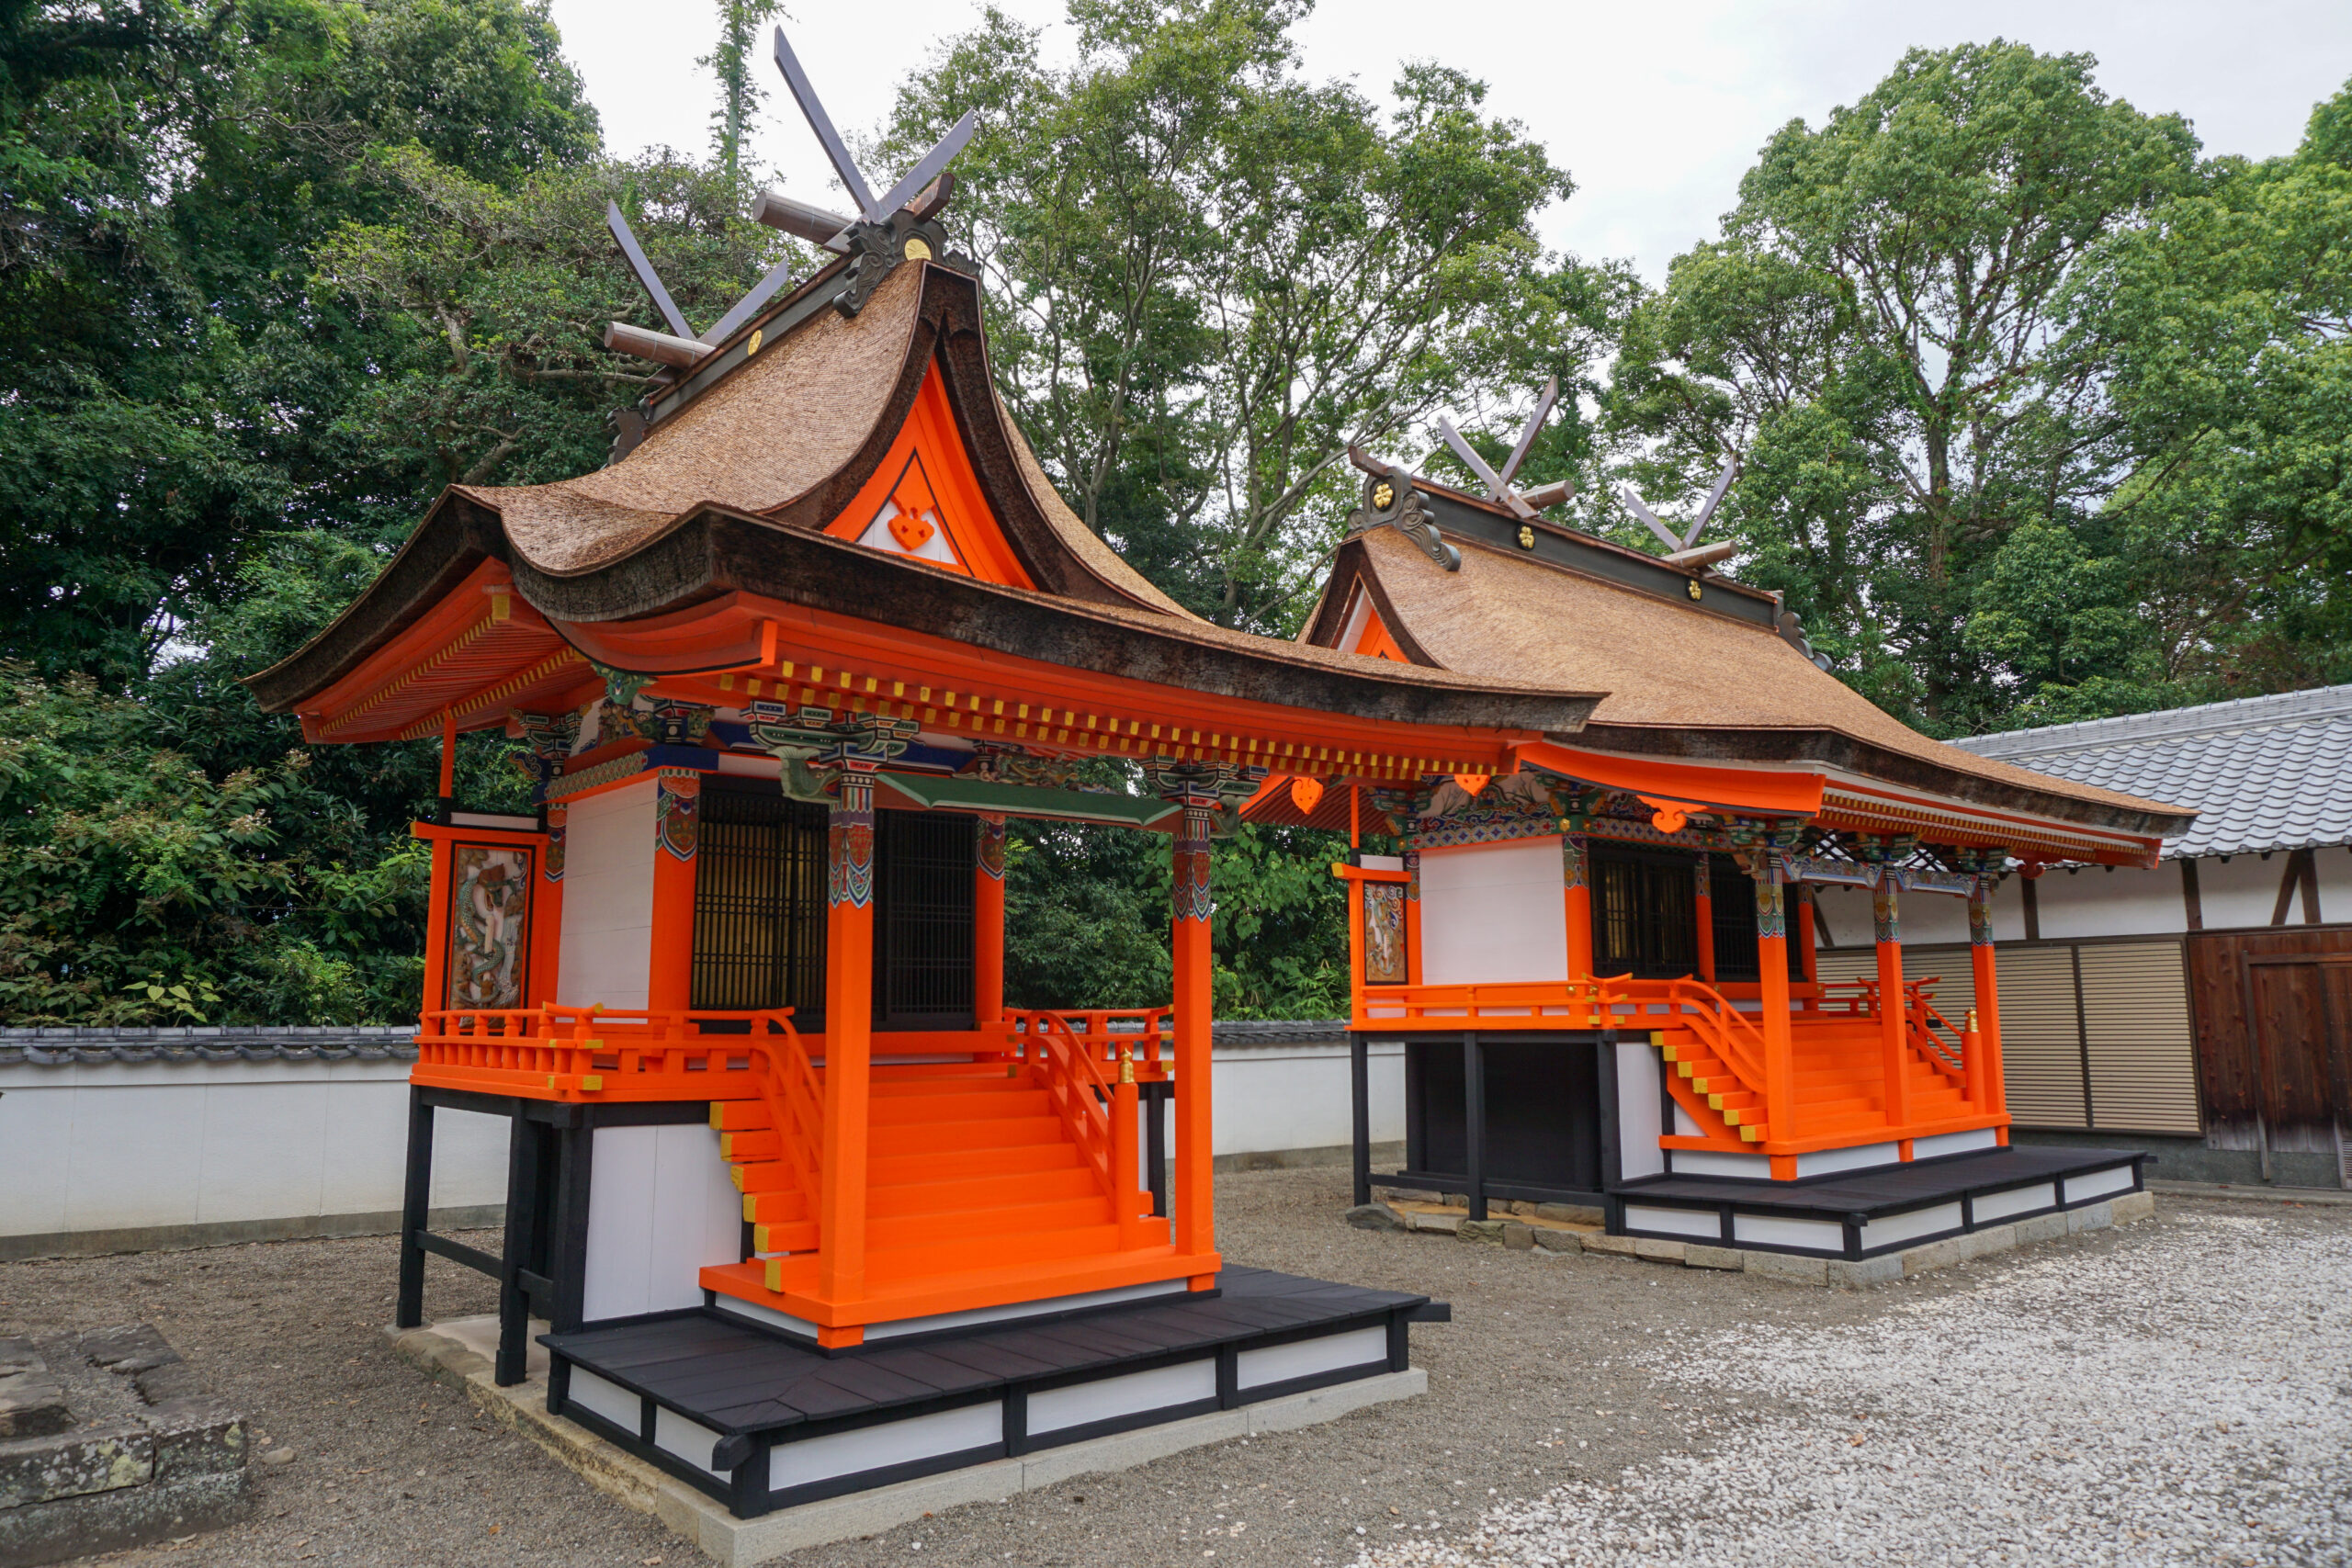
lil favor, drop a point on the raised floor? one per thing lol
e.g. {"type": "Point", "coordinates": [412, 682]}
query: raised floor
{"type": "Point", "coordinates": [1861, 1213]}
{"type": "Point", "coordinates": [762, 1422]}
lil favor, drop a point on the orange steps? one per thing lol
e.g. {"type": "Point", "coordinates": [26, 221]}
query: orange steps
{"type": "Point", "coordinates": [1841, 1083]}
{"type": "Point", "coordinates": [975, 1194]}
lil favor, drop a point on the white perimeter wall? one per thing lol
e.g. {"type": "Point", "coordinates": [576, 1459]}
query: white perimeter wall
{"type": "Point", "coordinates": [116, 1146]}
{"type": "Point", "coordinates": [607, 898]}
{"type": "Point", "coordinates": [2098, 902]}
{"type": "Point", "coordinates": [1493, 912]}
{"type": "Point", "coordinates": [1274, 1097]}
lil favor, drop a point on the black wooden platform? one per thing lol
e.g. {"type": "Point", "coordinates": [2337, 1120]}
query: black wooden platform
{"type": "Point", "coordinates": [1857, 1200]}
{"type": "Point", "coordinates": [762, 1422]}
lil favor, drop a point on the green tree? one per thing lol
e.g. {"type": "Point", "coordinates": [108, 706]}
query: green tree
{"type": "Point", "coordinates": [1209, 276]}
{"type": "Point", "coordinates": [737, 61]}
{"type": "Point", "coordinates": [1888, 334]}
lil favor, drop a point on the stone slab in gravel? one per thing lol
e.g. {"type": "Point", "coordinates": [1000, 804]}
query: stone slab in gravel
{"type": "Point", "coordinates": [1556, 1371]}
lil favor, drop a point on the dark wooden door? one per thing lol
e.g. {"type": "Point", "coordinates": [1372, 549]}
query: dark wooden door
{"type": "Point", "coordinates": [2301, 1010]}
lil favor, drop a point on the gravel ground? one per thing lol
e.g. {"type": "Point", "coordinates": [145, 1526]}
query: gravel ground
{"type": "Point", "coordinates": [1580, 1410]}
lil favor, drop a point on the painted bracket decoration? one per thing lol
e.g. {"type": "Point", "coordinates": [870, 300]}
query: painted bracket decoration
{"type": "Point", "coordinates": [848, 842]}
{"type": "Point", "coordinates": [1193, 900]}
{"type": "Point", "coordinates": [676, 810]}
{"type": "Point", "coordinates": [993, 844]}
{"type": "Point", "coordinates": [551, 863]}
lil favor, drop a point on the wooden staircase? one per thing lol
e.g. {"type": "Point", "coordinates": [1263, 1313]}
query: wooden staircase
{"type": "Point", "coordinates": [1840, 1080]}
{"type": "Point", "coordinates": [977, 1194]}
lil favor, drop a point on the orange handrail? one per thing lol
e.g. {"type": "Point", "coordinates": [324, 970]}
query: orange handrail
{"type": "Point", "coordinates": [1097, 1112]}
{"type": "Point", "coordinates": [1522, 1004]}
{"type": "Point", "coordinates": [1104, 1030]}
{"type": "Point", "coordinates": [796, 1105]}
{"type": "Point", "coordinates": [579, 1055]}
{"type": "Point", "coordinates": [1730, 1033]}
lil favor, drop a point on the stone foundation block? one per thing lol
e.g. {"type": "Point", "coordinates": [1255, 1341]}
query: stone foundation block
{"type": "Point", "coordinates": [1376, 1217]}
{"type": "Point", "coordinates": [1551, 1240]}
{"type": "Point", "coordinates": [1517, 1236]}
{"type": "Point", "coordinates": [1619, 1245]}
{"type": "Point", "coordinates": [2090, 1217]}
{"type": "Point", "coordinates": [1659, 1251]}
{"type": "Point", "coordinates": [2132, 1207]}
{"type": "Point", "coordinates": [1488, 1231]}
{"type": "Point", "coordinates": [1695, 1255]}
{"type": "Point", "coordinates": [1849, 1276]}
{"type": "Point", "coordinates": [1786, 1266]}
{"type": "Point", "coordinates": [1569, 1214]}
{"type": "Point", "coordinates": [2041, 1228]}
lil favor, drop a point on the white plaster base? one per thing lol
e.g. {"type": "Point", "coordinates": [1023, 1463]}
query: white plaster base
{"type": "Point", "coordinates": [460, 1351]}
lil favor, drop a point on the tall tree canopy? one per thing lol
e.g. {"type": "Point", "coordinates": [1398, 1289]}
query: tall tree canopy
{"type": "Point", "coordinates": [1210, 275]}
{"type": "Point", "coordinates": [1888, 335]}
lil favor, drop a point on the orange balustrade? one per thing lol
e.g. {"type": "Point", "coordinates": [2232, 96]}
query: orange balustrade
{"type": "Point", "coordinates": [591, 1055]}
{"type": "Point", "coordinates": [1098, 1110]}
{"type": "Point", "coordinates": [1532, 1004]}
{"type": "Point", "coordinates": [1101, 1030]}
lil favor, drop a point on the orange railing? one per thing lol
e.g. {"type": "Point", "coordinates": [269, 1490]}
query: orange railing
{"type": "Point", "coordinates": [1533, 1004]}
{"type": "Point", "coordinates": [1944, 1046]}
{"type": "Point", "coordinates": [1735, 1037]}
{"type": "Point", "coordinates": [1097, 1109]}
{"type": "Point", "coordinates": [1101, 1030]}
{"type": "Point", "coordinates": [580, 1055]}
{"type": "Point", "coordinates": [795, 1103]}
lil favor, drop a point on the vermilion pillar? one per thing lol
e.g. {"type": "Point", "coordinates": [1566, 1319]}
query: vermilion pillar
{"type": "Point", "coordinates": [1195, 1193]}
{"type": "Point", "coordinates": [1576, 893]}
{"type": "Point", "coordinates": [1988, 995]}
{"type": "Point", "coordinates": [547, 916]}
{"type": "Point", "coordinates": [1807, 936]}
{"type": "Point", "coordinates": [670, 972]}
{"type": "Point", "coordinates": [1779, 1048]}
{"type": "Point", "coordinates": [849, 1005]}
{"type": "Point", "coordinates": [988, 925]}
{"type": "Point", "coordinates": [1703, 903]}
{"type": "Point", "coordinates": [1893, 1022]}
{"type": "Point", "coordinates": [1412, 858]}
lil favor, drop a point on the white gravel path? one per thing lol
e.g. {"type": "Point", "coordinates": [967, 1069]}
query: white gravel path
{"type": "Point", "coordinates": [2184, 1398]}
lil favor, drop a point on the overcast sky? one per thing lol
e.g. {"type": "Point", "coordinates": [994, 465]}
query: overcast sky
{"type": "Point", "coordinates": [1655, 109]}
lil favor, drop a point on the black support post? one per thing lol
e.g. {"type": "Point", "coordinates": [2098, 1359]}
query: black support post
{"type": "Point", "coordinates": [1360, 1084]}
{"type": "Point", "coordinates": [1473, 1122]}
{"type": "Point", "coordinates": [568, 1252]}
{"type": "Point", "coordinates": [513, 1301]}
{"type": "Point", "coordinates": [1152, 1105]}
{"type": "Point", "coordinates": [416, 1212]}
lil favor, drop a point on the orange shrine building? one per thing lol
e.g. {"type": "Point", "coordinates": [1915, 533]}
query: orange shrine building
{"type": "Point", "coordinates": [806, 1209]}
{"type": "Point", "coordinates": [1601, 957]}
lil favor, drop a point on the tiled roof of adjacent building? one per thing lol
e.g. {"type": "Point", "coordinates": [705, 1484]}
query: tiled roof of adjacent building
{"type": "Point", "coordinates": [2262, 772]}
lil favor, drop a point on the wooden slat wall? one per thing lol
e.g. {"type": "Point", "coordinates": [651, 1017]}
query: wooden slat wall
{"type": "Point", "coordinates": [2041, 1046]}
{"type": "Point", "coordinates": [2135, 1012]}
{"type": "Point", "coordinates": [2143, 1051]}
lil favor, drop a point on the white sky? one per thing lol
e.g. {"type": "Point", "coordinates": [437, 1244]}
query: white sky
{"type": "Point", "coordinates": [1656, 110]}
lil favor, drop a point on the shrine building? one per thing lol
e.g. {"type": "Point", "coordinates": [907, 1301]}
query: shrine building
{"type": "Point", "coordinates": [1601, 960]}
{"type": "Point", "coordinates": [805, 1207]}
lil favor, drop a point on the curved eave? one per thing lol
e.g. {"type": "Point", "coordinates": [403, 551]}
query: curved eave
{"type": "Point", "coordinates": [1835, 751]}
{"type": "Point", "coordinates": [716, 552]}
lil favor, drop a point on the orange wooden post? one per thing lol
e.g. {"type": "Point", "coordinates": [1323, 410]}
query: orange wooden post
{"type": "Point", "coordinates": [669, 969]}
{"type": "Point", "coordinates": [1893, 1019]}
{"type": "Point", "coordinates": [1412, 858]}
{"type": "Point", "coordinates": [1703, 903]}
{"type": "Point", "coordinates": [1195, 1192]}
{"type": "Point", "coordinates": [988, 927]}
{"type": "Point", "coordinates": [1780, 1046]}
{"type": "Point", "coordinates": [849, 1023]}
{"type": "Point", "coordinates": [1125, 1157]}
{"type": "Point", "coordinates": [1807, 937]}
{"type": "Point", "coordinates": [437, 929]}
{"type": "Point", "coordinates": [1358, 891]}
{"type": "Point", "coordinates": [1988, 994]}
{"type": "Point", "coordinates": [1576, 902]}
{"type": "Point", "coordinates": [547, 916]}
{"type": "Point", "coordinates": [448, 791]}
